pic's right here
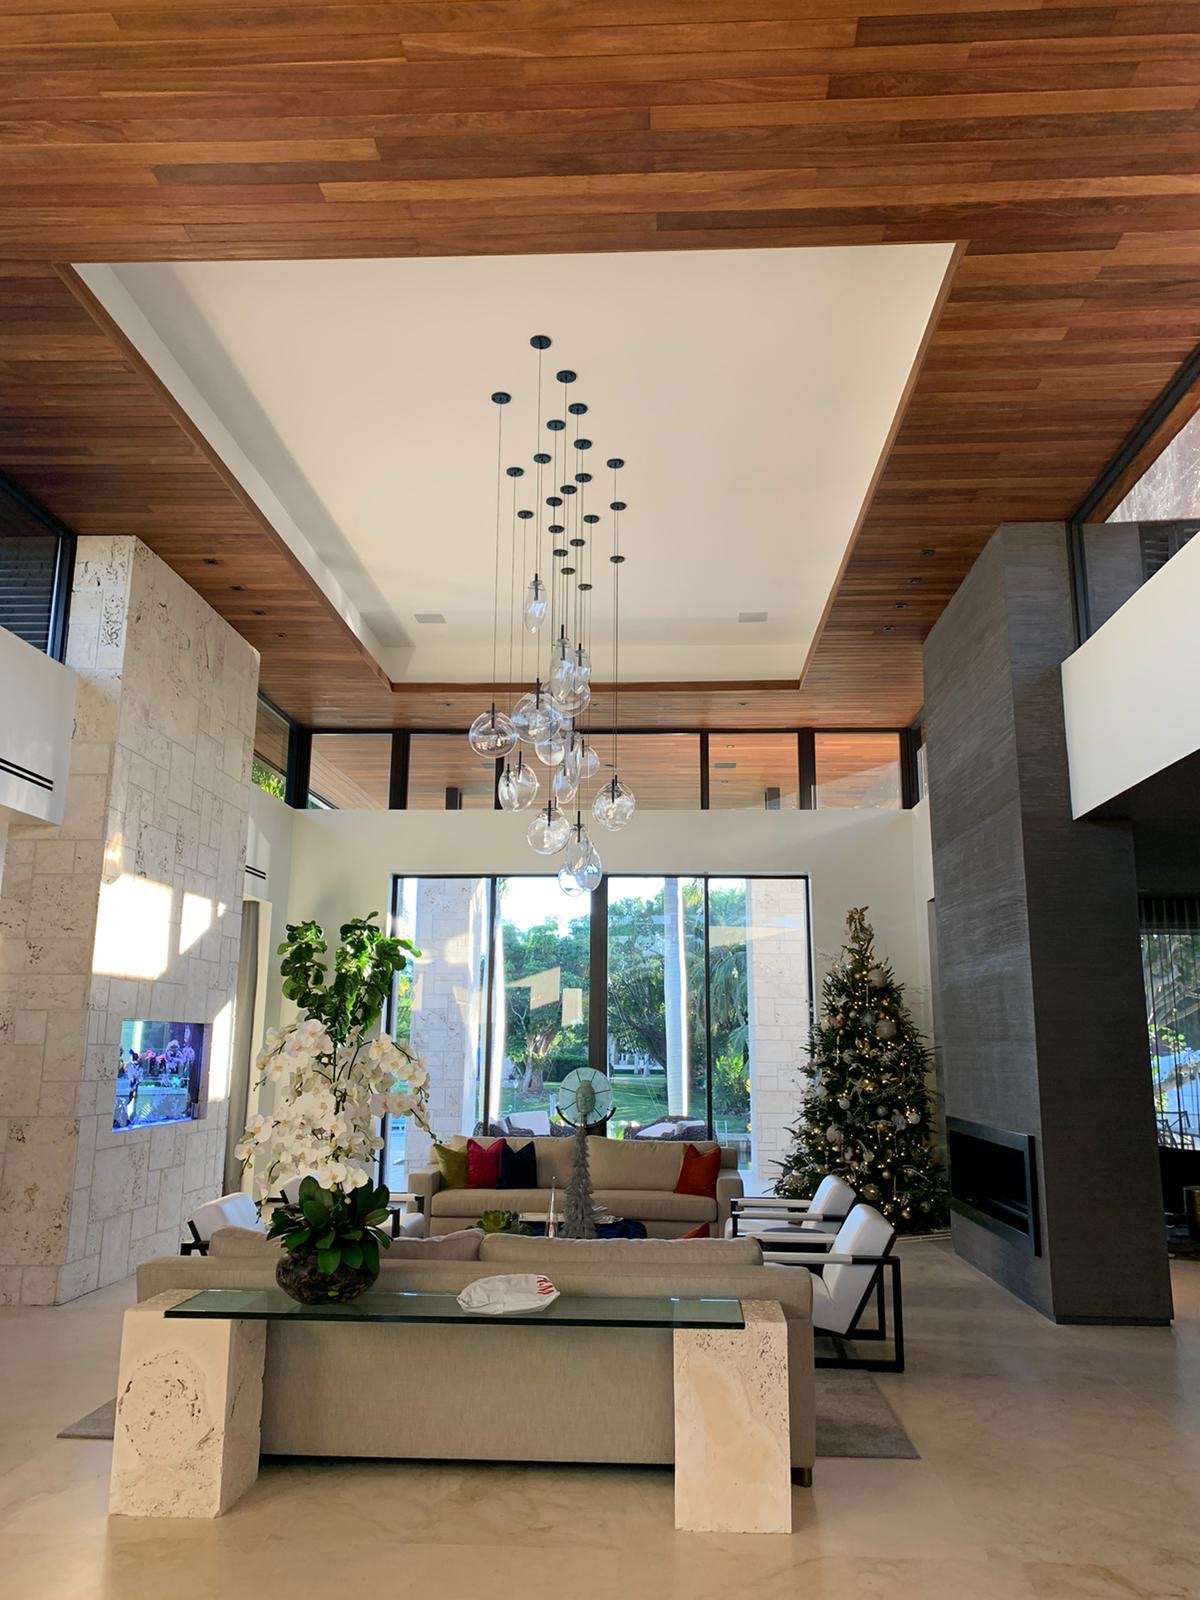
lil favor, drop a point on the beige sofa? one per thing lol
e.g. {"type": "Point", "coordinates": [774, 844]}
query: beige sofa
{"type": "Point", "coordinates": [630, 1178]}
{"type": "Point", "coordinates": [486, 1391]}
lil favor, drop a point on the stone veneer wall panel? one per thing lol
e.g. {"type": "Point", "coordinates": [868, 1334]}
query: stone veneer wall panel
{"type": "Point", "coordinates": [91, 928]}
{"type": "Point", "coordinates": [1042, 1016]}
{"type": "Point", "coordinates": [778, 968]}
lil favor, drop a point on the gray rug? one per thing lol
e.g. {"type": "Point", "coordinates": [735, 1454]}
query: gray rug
{"type": "Point", "coordinates": [853, 1419]}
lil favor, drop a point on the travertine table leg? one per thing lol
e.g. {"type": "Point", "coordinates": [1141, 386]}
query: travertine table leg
{"type": "Point", "coordinates": [189, 1401]}
{"type": "Point", "coordinates": [733, 1454]}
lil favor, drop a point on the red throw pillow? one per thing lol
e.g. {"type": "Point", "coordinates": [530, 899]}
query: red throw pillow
{"type": "Point", "coordinates": [702, 1232]}
{"type": "Point", "coordinates": [698, 1173]}
{"type": "Point", "coordinates": [483, 1164]}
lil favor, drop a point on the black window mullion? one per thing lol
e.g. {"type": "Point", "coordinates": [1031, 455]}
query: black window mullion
{"type": "Point", "coordinates": [704, 773]}
{"type": "Point", "coordinates": [299, 767]}
{"type": "Point", "coordinates": [398, 772]}
{"type": "Point", "coordinates": [806, 755]}
{"type": "Point", "coordinates": [598, 978]}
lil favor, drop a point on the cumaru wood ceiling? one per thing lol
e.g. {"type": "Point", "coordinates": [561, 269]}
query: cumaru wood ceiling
{"type": "Point", "coordinates": [1057, 142]}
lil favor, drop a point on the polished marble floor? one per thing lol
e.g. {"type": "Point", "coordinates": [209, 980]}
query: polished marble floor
{"type": "Point", "coordinates": [1057, 1464]}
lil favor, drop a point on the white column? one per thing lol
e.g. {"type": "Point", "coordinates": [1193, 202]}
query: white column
{"type": "Point", "coordinates": [189, 1403]}
{"type": "Point", "coordinates": [733, 1451]}
{"type": "Point", "coordinates": [675, 998]}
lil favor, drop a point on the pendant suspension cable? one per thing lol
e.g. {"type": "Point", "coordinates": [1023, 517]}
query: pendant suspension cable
{"type": "Point", "coordinates": [500, 400]}
{"type": "Point", "coordinates": [514, 473]}
{"type": "Point", "coordinates": [616, 507]}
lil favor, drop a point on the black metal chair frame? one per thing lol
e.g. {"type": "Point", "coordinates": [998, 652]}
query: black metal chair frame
{"type": "Point", "coordinates": [875, 1290]}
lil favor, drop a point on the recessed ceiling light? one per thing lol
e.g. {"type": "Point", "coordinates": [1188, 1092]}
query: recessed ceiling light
{"type": "Point", "coordinates": [929, 551]}
{"type": "Point", "coordinates": [752, 616]}
{"type": "Point", "coordinates": [428, 616]}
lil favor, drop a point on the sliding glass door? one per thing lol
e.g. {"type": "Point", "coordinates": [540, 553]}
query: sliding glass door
{"type": "Point", "coordinates": [692, 993]}
{"type": "Point", "coordinates": [657, 1057]}
{"type": "Point", "coordinates": [541, 983]}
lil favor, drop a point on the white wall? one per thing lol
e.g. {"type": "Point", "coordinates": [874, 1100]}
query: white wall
{"type": "Point", "coordinates": [37, 706]}
{"type": "Point", "coordinates": [1129, 692]}
{"type": "Point", "coordinates": [343, 861]}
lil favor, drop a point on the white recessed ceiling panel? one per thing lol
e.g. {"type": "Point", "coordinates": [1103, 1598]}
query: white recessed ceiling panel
{"type": "Point", "coordinates": [750, 392]}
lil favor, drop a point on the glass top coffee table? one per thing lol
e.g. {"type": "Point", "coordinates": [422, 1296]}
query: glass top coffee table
{"type": "Point", "coordinates": [190, 1389]}
{"type": "Point", "coordinates": [388, 1305]}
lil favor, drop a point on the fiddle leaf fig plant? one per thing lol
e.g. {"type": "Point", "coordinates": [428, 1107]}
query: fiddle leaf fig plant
{"type": "Point", "coordinates": [333, 1074]}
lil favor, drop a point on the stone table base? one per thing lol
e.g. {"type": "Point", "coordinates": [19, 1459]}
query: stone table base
{"type": "Point", "coordinates": [189, 1400]}
{"type": "Point", "coordinates": [733, 1452]}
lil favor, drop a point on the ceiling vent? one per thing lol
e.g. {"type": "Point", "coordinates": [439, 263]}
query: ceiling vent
{"type": "Point", "coordinates": [752, 616]}
{"type": "Point", "coordinates": [429, 616]}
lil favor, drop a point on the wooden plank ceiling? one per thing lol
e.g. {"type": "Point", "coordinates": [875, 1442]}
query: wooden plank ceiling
{"type": "Point", "coordinates": [1058, 142]}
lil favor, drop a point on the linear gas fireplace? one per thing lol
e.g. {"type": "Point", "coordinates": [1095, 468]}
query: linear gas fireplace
{"type": "Point", "coordinates": [993, 1180]}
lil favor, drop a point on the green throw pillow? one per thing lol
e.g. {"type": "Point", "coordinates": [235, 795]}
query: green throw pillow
{"type": "Point", "coordinates": [452, 1164]}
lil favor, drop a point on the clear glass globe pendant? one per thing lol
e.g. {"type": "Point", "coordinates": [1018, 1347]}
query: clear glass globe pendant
{"type": "Point", "coordinates": [536, 604]}
{"type": "Point", "coordinates": [564, 785]}
{"type": "Point", "coordinates": [614, 805]}
{"type": "Point", "coordinates": [582, 760]}
{"type": "Point", "coordinates": [492, 735]}
{"type": "Point", "coordinates": [534, 717]}
{"type": "Point", "coordinates": [548, 831]}
{"type": "Point", "coordinates": [518, 787]}
{"type": "Point", "coordinates": [582, 869]}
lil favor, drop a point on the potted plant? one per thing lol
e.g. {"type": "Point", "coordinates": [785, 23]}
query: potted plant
{"type": "Point", "coordinates": [330, 1241]}
{"type": "Point", "coordinates": [334, 1077]}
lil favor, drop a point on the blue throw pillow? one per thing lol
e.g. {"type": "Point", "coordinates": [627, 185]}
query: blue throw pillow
{"type": "Point", "coordinates": [518, 1168]}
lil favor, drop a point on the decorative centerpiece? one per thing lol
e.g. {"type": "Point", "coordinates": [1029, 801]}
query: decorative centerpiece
{"type": "Point", "coordinates": [585, 1100]}
{"type": "Point", "coordinates": [334, 1077]}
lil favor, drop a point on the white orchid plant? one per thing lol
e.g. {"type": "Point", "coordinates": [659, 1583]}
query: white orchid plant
{"type": "Point", "coordinates": [334, 1076]}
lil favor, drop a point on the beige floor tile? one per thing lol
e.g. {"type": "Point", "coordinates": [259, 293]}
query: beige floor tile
{"type": "Point", "coordinates": [1057, 1464]}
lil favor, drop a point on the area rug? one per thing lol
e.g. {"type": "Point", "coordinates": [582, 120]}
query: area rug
{"type": "Point", "coordinates": [853, 1419]}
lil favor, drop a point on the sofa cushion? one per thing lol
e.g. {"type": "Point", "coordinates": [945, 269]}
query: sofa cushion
{"type": "Point", "coordinates": [554, 1160]}
{"type": "Point", "coordinates": [518, 1166]}
{"type": "Point", "coordinates": [483, 1163]}
{"type": "Point", "coordinates": [460, 1246]}
{"type": "Point", "coordinates": [243, 1242]}
{"type": "Point", "coordinates": [474, 1202]}
{"type": "Point", "coordinates": [452, 1165]}
{"type": "Point", "coordinates": [661, 1205]}
{"type": "Point", "coordinates": [698, 1172]}
{"type": "Point", "coordinates": [658, 1205]}
{"type": "Point", "coordinates": [613, 1255]}
{"type": "Point", "coordinates": [636, 1164]}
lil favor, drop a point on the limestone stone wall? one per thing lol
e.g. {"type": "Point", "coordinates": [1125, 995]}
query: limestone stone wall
{"type": "Point", "coordinates": [131, 908]}
{"type": "Point", "coordinates": [450, 930]}
{"type": "Point", "coordinates": [779, 997]}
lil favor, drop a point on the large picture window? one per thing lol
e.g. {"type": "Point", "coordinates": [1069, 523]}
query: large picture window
{"type": "Point", "coordinates": [1171, 972]}
{"type": "Point", "coordinates": [692, 993]}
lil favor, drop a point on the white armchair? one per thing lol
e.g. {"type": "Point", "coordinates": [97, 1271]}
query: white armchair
{"type": "Point", "coordinates": [780, 1218]}
{"type": "Point", "coordinates": [230, 1211]}
{"type": "Point", "coordinates": [847, 1278]}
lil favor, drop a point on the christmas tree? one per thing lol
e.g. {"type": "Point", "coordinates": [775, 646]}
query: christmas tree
{"type": "Point", "coordinates": [866, 1115]}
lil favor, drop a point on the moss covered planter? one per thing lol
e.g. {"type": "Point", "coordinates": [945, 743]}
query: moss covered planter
{"type": "Point", "coordinates": [301, 1277]}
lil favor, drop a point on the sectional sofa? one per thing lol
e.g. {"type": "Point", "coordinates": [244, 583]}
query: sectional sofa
{"type": "Point", "coordinates": [485, 1391]}
{"type": "Point", "coordinates": [630, 1178]}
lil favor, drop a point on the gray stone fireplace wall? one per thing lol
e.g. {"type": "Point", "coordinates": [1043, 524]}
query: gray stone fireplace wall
{"type": "Point", "coordinates": [132, 908]}
{"type": "Point", "coordinates": [1042, 1015]}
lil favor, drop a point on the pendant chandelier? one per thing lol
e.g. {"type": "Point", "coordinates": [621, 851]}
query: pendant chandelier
{"type": "Point", "coordinates": [550, 766]}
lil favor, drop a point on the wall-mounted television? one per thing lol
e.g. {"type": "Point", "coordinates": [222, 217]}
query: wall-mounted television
{"type": "Point", "coordinates": [158, 1073]}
